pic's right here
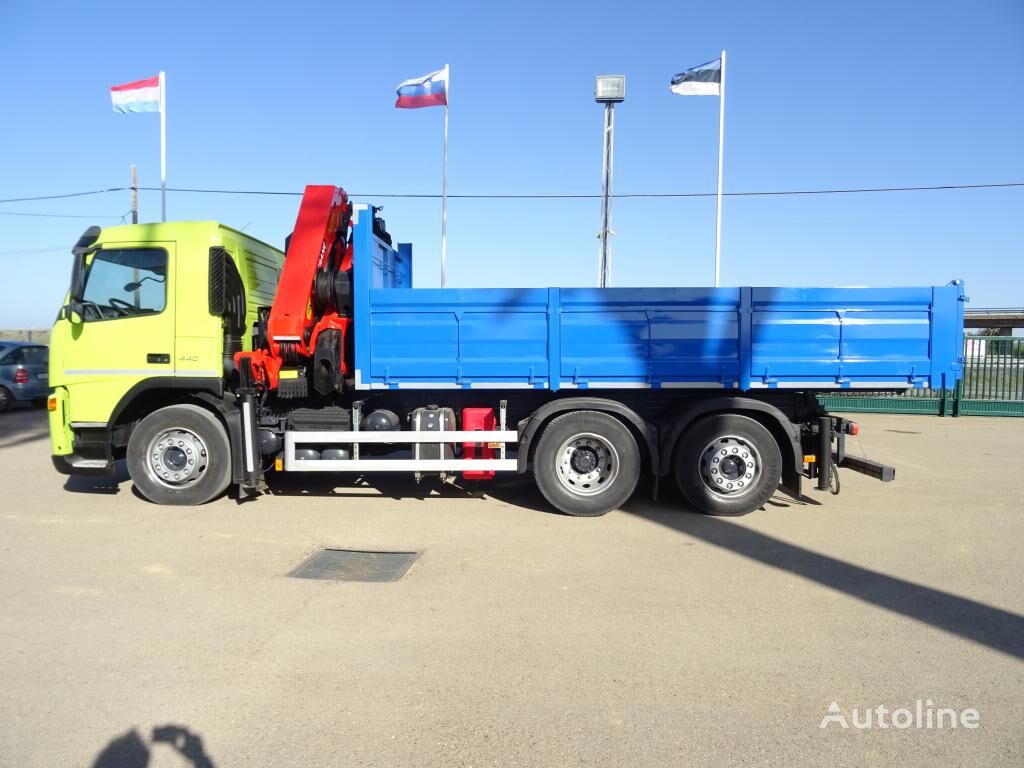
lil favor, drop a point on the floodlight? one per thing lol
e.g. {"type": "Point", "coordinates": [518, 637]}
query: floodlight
{"type": "Point", "coordinates": [610, 89]}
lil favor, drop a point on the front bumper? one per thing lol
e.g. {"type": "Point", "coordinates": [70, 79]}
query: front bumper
{"type": "Point", "coordinates": [71, 464]}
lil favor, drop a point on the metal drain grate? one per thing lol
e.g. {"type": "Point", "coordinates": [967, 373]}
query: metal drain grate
{"type": "Point", "coordinates": [355, 565]}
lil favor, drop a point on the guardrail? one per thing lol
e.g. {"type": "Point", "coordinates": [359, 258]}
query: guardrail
{"type": "Point", "coordinates": [992, 385]}
{"type": "Point", "coordinates": [31, 336]}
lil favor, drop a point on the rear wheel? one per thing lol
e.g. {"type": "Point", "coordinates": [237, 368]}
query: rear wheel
{"type": "Point", "coordinates": [5, 400]}
{"type": "Point", "coordinates": [180, 455]}
{"type": "Point", "coordinates": [586, 464]}
{"type": "Point", "coordinates": [727, 464]}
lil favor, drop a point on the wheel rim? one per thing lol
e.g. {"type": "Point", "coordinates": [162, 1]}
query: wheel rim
{"type": "Point", "coordinates": [177, 458]}
{"type": "Point", "coordinates": [3, 398]}
{"type": "Point", "coordinates": [730, 466]}
{"type": "Point", "coordinates": [586, 464]}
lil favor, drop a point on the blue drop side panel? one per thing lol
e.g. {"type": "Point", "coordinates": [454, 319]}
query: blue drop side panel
{"type": "Point", "coordinates": [649, 335]}
{"type": "Point", "coordinates": [435, 335]}
{"type": "Point", "coordinates": [843, 334]}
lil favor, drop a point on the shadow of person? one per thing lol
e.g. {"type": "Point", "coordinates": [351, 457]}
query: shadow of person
{"type": "Point", "coordinates": [125, 751]}
{"type": "Point", "coordinates": [189, 745]}
{"type": "Point", "coordinates": [129, 750]}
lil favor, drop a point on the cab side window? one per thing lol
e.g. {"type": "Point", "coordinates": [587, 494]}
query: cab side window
{"type": "Point", "coordinates": [125, 283]}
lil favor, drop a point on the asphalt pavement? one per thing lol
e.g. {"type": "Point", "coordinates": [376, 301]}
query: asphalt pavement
{"type": "Point", "coordinates": [134, 635]}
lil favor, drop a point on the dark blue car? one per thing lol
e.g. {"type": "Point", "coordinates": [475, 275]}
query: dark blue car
{"type": "Point", "coordinates": [24, 373]}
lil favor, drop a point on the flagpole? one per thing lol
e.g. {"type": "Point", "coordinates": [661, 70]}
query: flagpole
{"type": "Point", "coordinates": [163, 147]}
{"type": "Point", "coordinates": [721, 147]}
{"type": "Point", "coordinates": [444, 196]}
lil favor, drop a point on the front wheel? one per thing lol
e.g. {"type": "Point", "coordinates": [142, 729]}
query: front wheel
{"type": "Point", "coordinates": [180, 455]}
{"type": "Point", "coordinates": [727, 464]}
{"type": "Point", "coordinates": [586, 464]}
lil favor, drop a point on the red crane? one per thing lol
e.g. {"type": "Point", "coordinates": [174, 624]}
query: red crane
{"type": "Point", "coordinates": [312, 310]}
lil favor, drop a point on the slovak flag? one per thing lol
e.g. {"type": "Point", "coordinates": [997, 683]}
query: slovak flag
{"type": "Point", "coordinates": [427, 91]}
{"type": "Point", "coordinates": [140, 96]}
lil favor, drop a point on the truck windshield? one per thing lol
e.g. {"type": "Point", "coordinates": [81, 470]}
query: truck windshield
{"type": "Point", "coordinates": [125, 283]}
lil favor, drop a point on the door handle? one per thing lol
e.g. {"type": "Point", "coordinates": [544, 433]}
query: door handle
{"type": "Point", "coordinates": [158, 358]}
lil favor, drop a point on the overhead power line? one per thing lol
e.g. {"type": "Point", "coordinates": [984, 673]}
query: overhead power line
{"type": "Point", "coordinates": [42, 249]}
{"type": "Point", "coordinates": [540, 196]}
{"type": "Point", "coordinates": [61, 215]}
{"type": "Point", "coordinates": [36, 251]}
{"type": "Point", "coordinates": [558, 196]}
{"type": "Point", "coordinates": [62, 196]}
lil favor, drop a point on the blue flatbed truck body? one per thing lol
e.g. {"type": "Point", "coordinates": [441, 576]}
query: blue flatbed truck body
{"type": "Point", "coordinates": [737, 339]}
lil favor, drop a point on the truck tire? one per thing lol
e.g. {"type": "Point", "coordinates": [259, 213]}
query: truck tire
{"type": "Point", "coordinates": [727, 464]}
{"type": "Point", "coordinates": [586, 464]}
{"type": "Point", "coordinates": [180, 455]}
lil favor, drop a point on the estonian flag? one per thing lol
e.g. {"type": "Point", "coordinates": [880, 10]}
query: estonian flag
{"type": "Point", "coordinates": [704, 80]}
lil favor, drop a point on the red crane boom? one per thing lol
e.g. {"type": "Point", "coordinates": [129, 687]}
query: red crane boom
{"type": "Point", "coordinates": [312, 309]}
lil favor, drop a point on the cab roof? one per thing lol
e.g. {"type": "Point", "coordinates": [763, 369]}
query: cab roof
{"type": "Point", "coordinates": [171, 231]}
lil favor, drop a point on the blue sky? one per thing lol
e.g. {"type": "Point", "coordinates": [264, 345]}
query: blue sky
{"type": "Point", "coordinates": [272, 95]}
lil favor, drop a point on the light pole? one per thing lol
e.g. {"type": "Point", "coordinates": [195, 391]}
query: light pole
{"type": "Point", "coordinates": [608, 90]}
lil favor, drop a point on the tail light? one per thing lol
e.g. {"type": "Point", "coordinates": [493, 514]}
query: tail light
{"type": "Point", "coordinates": [21, 376]}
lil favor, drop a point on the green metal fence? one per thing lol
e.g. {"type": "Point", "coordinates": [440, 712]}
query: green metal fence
{"type": "Point", "coordinates": [992, 385]}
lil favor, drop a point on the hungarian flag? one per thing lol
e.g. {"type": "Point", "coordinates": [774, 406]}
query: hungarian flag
{"type": "Point", "coordinates": [427, 91]}
{"type": "Point", "coordinates": [140, 96]}
{"type": "Point", "coordinates": [704, 80]}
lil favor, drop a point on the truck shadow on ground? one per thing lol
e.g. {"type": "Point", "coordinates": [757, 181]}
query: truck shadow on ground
{"type": "Point", "coordinates": [984, 624]}
{"type": "Point", "coordinates": [520, 492]}
{"type": "Point", "coordinates": [131, 750]}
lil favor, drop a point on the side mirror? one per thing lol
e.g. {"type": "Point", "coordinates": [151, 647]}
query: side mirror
{"type": "Point", "coordinates": [73, 312]}
{"type": "Point", "coordinates": [135, 285]}
{"type": "Point", "coordinates": [77, 278]}
{"type": "Point", "coordinates": [86, 244]}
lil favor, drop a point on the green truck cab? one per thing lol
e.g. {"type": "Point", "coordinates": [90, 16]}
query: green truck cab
{"type": "Point", "coordinates": [152, 319]}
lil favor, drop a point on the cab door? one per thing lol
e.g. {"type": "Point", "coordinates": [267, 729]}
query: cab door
{"type": "Point", "coordinates": [125, 333]}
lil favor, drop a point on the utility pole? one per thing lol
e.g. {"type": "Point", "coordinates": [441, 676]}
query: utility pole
{"type": "Point", "coordinates": [135, 196]}
{"type": "Point", "coordinates": [137, 295]}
